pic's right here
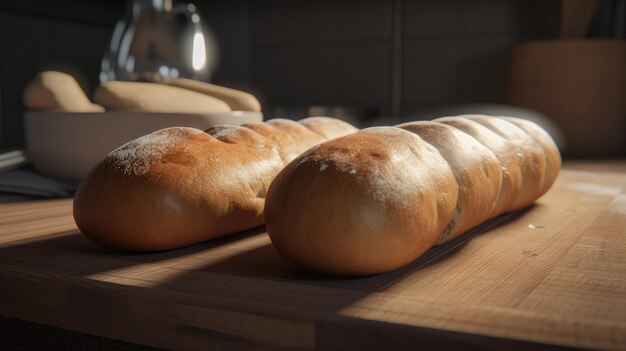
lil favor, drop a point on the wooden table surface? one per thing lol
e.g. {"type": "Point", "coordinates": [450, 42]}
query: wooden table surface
{"type": "Point", "coordinates": [548, 276]}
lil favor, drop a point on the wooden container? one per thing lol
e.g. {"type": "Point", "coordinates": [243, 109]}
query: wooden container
{"type": "Point", "coordinates": [581, 85]}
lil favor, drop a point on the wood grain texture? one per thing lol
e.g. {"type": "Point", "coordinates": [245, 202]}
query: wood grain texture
{"type": "Point", "coordinates": [548, 276]}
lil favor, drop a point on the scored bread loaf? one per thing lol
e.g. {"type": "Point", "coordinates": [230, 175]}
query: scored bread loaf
{"type": "Point", "coordinates": [475, 168]}
{"type": "Point", "coordinates": [375, 200]}
{"type": "Point", "coordinates": [180, 186]}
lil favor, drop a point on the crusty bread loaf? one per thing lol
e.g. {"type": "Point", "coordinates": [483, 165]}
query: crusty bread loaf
{"type": "Point", "coordinates": [372, 201]}
{"type": "Point", "coordinates": [550, 150]}
{"type": "Point", "coordinates": [362, 204]}
{"type": "Point", "coordinates": [528, 154]}
{"type": "Point", "coordinates": [181, 186]}
{"type": "Point", "coordinates": [152, 97]}
{"type": "Point", "coordinates": [328, 128]}
{"type": "Point", "coordinates": [291, 138]}
{"type": "Point", "coordinates": [511, 169]}
{"type": "Point", "coordinates": [52, 90]}
{"type": "Point", "coordinates": [236, 99]}
{"type": "Point", "coordinates": [476, 171]}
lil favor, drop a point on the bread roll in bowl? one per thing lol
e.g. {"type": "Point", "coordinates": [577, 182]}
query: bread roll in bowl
{"type": "Point", "coordinates": [152, 97]}
{"type": "Point", "coordinates": [52, 90]}
{"type": "Point", "coordinates": [365, 203]}
{"type": "Point", "coordinates": [237, 100]}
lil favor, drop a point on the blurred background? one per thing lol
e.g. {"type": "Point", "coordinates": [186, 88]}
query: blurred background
{"type": "Point", "coordinates": [370, 62]}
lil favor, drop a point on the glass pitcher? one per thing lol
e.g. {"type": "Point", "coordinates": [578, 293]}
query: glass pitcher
{"type": "Point", "coordinates": [157, 41]}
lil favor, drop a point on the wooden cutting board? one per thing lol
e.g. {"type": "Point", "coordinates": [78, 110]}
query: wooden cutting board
{"type": "Point", "coordinates": [551, 275]}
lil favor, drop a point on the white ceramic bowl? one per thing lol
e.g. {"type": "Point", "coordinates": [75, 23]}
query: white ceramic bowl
{"type": "Point", "coordinates": [68, 144]}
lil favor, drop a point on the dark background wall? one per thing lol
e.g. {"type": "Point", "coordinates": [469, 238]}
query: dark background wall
{"type": "Point", "coordinates": [389, 58]}
{"type": "Point", "coordinates": [345, 52]}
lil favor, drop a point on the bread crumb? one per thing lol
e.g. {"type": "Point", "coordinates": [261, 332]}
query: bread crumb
{"type": "Point", "coordinates": [530, 252]}
{"type": "Point", "coordinates": [618, 205]}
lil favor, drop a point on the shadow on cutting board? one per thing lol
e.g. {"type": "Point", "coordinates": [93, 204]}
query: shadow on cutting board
{"type": "Point", "coordinates": [265, 262]}
{"type": "Point", "coordinates": [240, 272]}
{"type": "Point", "coordinates": [247, 254]}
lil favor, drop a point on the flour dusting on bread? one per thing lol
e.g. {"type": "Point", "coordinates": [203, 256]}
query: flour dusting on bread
{"type": "Point", "coordinates": [137, 156]}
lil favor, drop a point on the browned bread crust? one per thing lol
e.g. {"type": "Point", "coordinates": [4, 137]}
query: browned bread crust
{"type": "Point", "coordinates": [181, 186]}
{"type": "Point", "coordinates": [375, 200]}
{"type": "Point", "coordinates": [365, 203]}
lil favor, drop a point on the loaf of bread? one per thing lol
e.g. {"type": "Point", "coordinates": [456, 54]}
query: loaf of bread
{"type": "Point", "coordinates": [152, 97]}
{"type": "Point", "coordinates": [373, 201]}
{"type": "Point", "coordinates": [52, 90]}
{"type": "Point", "coordinates": [181, 186]}
{"type": "Point", "coordinates": [236, 99]}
